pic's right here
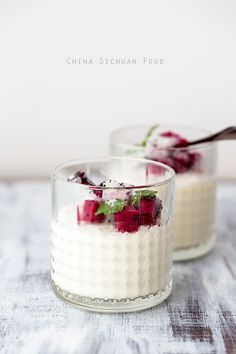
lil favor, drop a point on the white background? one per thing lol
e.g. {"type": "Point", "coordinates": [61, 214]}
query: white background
{"type": "Point", "coordinates": [51, 111]}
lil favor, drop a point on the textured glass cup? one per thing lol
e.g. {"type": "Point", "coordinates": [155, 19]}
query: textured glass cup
{"type": "Point", "coordinates": [194, 233]}
{"type": "Point", "coordinates": [111, 247]}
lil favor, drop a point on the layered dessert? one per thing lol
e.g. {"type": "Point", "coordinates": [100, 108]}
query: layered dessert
{"type": "Point", "coordinates": [195, 190]}
{"type": "Point", "coordinates": [112, 244]}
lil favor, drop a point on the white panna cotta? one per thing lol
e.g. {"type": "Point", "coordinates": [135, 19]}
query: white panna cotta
{"type": "Point", "coordinates": [96, 261]}
{"type": "Point", "coordinates": [194, 214]}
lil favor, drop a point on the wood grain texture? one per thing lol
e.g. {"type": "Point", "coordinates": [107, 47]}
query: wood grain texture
{"type": "Point", "coordinates": [199, 316]}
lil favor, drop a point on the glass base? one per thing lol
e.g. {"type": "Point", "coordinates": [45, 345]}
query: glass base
{"type": "Point", "coordinates": [112, 305]}
{"type": "Point", "coordinates": [184, 254]}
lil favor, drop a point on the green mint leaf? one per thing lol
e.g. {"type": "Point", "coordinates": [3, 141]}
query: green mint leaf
{"type": "Point", "coordinates": [145, 193]}
{"type": "Point", "coordinates": [148, 135]}
{"type": "Point", "coordinates": [111, 206]}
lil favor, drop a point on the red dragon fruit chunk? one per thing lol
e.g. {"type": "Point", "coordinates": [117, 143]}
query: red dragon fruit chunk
{"type": "Point", "coordinates": [89, 210]}
{"type": "Point", "coordinates": [127, 219]}
{"type": "Point", "coordinates": [98, 192]}
{"type": "Point", "coordinates": [180, 140]}
{"type": "Point", "coordinates": [147, 211]}
{"type": "Point", "coordinates": [123, 226]}
{"type": "Point", "coordinates": [129, 214]}
{"type": "Point", "coordinates": [181, 160]}
{"type": "Point", "coordinates": [169, 134]}
{"type": "Point", "coordinates": [146, 205]}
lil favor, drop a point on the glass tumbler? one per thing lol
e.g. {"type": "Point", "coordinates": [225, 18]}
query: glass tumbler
{"type": "Point", "coordinates": [195, 168]}
{"type": "Point", "coordinates": [111, 240]}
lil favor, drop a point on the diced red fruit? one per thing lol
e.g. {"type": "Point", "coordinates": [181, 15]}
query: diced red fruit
{"type": "Point", "coordinates": [180, 161]}
{"type": "Point", "coordinates": [181, 142]}
{"type": "Point", "coordinates": [147, 219]}
{"type": "Point", "coordinates": [183, 157]}
{"type": "Point", "coordinates": [130, 218]}
{"type": "Point", "coordinates": [127, 220]}
{"type": "Point", "coordinates": [169, 134]}
{"type": "Point", "coordinates": [185, 160]}
{"type": "Point", "coordinates": [123, 226]}
{"type": "Point", "coordinates": [128, 214]}
{"type": "Point", "coordinates": [98, 192]}
{"type": "Point", "coordinates": [146, 205]}
{"type": "Point", "coordinates": [89, 209]}
{"type": "Point", "coordinates": [150, 211]}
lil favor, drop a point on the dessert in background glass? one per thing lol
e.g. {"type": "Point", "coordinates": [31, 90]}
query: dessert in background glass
{"type": "Point", "coordinates": [111, 242]}
{"type": "Point", "coordinates": [195, 168]}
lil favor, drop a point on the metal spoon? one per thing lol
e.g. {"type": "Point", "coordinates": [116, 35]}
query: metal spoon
{"type": "Point", "coordinates": [225, 134]}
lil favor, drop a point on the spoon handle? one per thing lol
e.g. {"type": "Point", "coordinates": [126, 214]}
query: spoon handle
{"type": "Point", "coordinates": [225, 134]}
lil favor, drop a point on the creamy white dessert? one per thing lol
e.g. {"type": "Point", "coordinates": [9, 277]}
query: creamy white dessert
{"type": "Point", "coordinates": [96, 261]}
{"type": "Point", "coordinates": [194, 210]}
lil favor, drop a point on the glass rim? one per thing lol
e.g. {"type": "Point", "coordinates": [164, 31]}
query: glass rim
{"type": "Point", "coordinates": [192, 147]}
{"type": "Point", "coordinates": [167, 179]}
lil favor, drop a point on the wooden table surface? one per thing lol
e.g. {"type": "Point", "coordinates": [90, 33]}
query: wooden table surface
{"type": "Point", "coordinates": [199, 316]}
